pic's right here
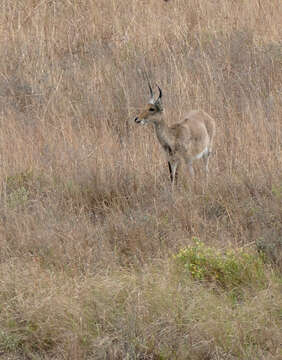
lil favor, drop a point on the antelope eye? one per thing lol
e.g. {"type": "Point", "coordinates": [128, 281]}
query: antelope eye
{"type": "Point", "coordinates": [151, 109]}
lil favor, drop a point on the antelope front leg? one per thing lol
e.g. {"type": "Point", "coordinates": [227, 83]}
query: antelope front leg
{"type": "Point", "coordinates": [173, 171]}
{"type": "Point", "coordinates": [170, 171]}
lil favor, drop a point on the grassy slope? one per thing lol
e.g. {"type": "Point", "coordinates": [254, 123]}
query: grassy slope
{"type": "Point", "coordinates": [87, 223]}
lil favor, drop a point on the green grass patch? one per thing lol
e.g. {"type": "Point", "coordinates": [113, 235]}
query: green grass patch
{"type": "Point", "coordinates": [228, 269]}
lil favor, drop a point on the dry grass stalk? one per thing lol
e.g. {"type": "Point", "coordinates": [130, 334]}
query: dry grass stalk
{"type": "Point", "coordinates": [87, 225]}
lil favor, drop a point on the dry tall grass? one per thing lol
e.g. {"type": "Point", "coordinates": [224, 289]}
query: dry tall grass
{"type": "Point", "coordinates": [88, 226]}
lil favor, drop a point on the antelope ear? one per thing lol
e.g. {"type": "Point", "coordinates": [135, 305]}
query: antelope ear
{"type": "Point", "coordinates": [151, 101]}
{"type": "Point", "coordinates": [158, 103]}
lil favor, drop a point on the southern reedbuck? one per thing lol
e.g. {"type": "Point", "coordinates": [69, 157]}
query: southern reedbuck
{"type": "Point", "coordinates": [188, 140]}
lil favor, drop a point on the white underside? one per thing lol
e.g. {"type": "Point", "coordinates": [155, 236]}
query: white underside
{"type": "Point", "coordinates": [201, 154]}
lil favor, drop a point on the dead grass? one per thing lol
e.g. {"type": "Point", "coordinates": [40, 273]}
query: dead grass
{"type": "Point", "coordinates": [88, 225]}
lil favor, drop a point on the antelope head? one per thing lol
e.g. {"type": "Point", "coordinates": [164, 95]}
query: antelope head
{"type": "Point", "coordinates": [153, 108]}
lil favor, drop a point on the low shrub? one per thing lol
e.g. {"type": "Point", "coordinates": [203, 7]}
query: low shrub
{"type": "Point", "coordinates": [230, 269]}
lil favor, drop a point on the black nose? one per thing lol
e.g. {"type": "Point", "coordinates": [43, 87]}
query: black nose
{"type": "Point", "coordinates": [137, 120]}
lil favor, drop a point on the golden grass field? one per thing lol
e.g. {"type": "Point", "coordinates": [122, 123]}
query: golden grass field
{"type": "Point", "coordinates": [89, 228]}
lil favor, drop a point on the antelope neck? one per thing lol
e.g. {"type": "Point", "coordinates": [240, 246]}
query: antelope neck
{"type": "Point", "coordinates": [160, 125]}
{"type": "Point", "coordinates": [162, 132]}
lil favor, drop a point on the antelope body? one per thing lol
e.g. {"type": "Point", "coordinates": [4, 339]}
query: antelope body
{"type": "Point", "coordinates": [188, 140]}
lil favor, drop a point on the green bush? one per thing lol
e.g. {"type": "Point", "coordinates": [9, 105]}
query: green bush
{"type": "Point", "coordinates": [230, 270]}
{"type": "Point", "coordinates": [24, 186]}
{"type": "Point", "coordinates": [18, 188]}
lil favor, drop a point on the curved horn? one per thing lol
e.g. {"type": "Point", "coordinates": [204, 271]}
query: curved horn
{"type": "Point", "coordinates": [150, 88]}
{"type": "Point", "coordinates": [160, 93]}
